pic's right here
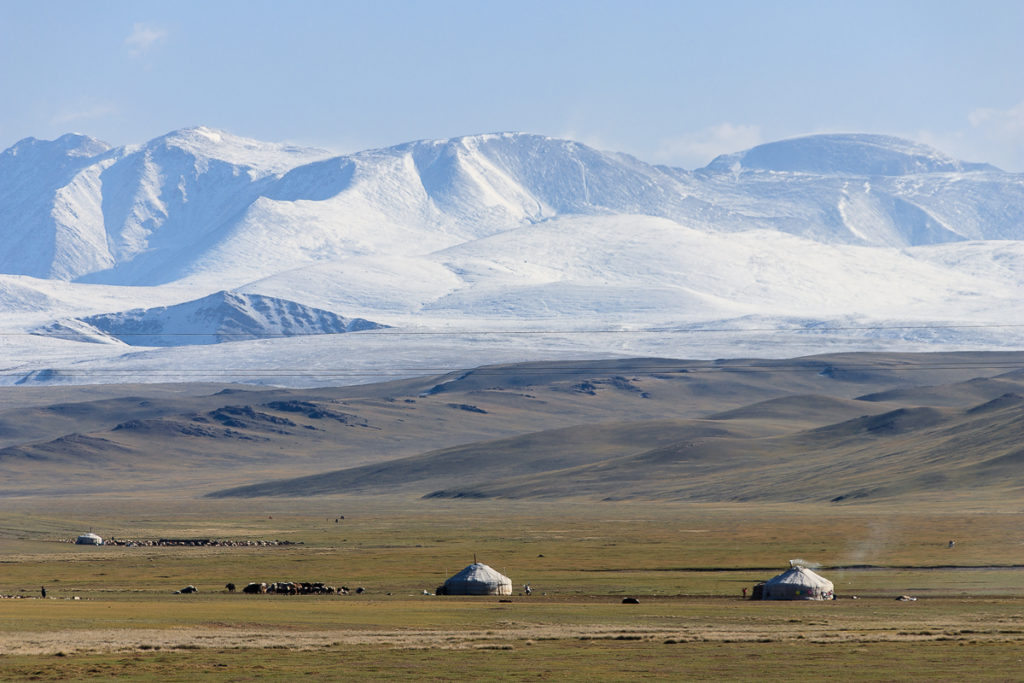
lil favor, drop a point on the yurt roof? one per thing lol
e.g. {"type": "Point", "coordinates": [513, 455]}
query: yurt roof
{"type": "Point", "coordinates": [478, 572]}
{"type": "Point", "coordinates": [801, 576]}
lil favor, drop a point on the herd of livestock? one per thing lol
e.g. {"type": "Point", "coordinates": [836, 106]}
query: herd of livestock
{"type": "Point", "coordinates": [181, 542]}
{"type": "Point", "coordinates": [284, 588]}
{"type": "Point", "coordinates": [296, 588]}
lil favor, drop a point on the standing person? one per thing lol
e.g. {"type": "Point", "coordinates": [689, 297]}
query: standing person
{"type": "Point", "coordinates": [42, 589]}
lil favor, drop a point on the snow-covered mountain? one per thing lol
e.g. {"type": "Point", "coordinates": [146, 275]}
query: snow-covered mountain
{"type": "Point", "coordinates": [504, 247]}
{"type": "Point", "coordinates": [199, 203]}
{"type": "Point", "coordinates": [845, 155]}
{"type": "Point", "coordinates": [75, 207]}
{"type": "Point", "coordinates": [219, 317]}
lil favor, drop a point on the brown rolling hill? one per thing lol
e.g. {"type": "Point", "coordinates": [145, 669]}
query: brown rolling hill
{"type": "Point", "coordinates": [844, 427]}
{"type": "Point", "coordinates": [905, 453]}
{"type": "Point", "coordinates": [899, 455]}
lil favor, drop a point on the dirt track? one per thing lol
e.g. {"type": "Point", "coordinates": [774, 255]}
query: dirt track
{"type": "Point", "coordinates": [119, 640]}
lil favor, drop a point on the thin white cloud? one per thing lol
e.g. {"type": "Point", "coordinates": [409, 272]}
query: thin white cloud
{"type": "Point", "coordinates": [1002, 135]}
{"type": "Point", "coordinates": [143, 38]}
{"type": "Point", "coordinates": [589, 139]}
{"type": "Point", "coordinates": [994, 136]}
{"type": "Point", "coordinates": [83, 112]}
{"type": "Point", "coordinates": [1007, 124]}
{"type": "Point", "coordinates": [694, 150]}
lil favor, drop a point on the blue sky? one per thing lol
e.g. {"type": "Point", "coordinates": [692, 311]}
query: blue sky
{"type": "Point", "coordinates": [672, 82]}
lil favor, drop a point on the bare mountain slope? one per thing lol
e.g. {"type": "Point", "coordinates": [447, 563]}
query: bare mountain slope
{"type": "Point", "coordinates": [655, 428]}
{"type": "Point", "coordinates": [916, 453]}
{"type": "Point", "coordinates": [795, 447]}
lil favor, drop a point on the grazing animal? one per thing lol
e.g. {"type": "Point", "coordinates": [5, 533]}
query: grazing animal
{"type": "Point", "coordinates": [188, 589]}
{"type": "Point", "coordinates": [630, 601]}
{"type": "Point", "coordinates": [284, 588]}
{"type": "Point", "coordinates": [230, 587]}
{"type": "Point", "coordinates": [255, 588]}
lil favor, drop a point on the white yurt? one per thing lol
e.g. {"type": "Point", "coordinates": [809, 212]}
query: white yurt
{"type": "Point", "coordinates": [477, 579]}
{"type": "Point", "coordinates": [798, 583]}
{"type": "Point", "coordinates": [89, 539]}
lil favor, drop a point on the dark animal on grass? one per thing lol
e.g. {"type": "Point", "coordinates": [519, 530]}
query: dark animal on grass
{"type": "Point", "coordinates": [187, 589]}
{"type": "Point", "coordinates": [230, 587]}
{"type": "Point", "coordinates": [630, 601]}
{"type": "Point", "coordinates": [255, 589]}
{"type": "Point", "coordinates": [283, 588]}
{"type": "Point", "coordinates": [315, 588]}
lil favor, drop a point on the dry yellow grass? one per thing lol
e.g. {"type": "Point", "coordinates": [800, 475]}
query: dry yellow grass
{"type": "Point", "coordinates": [686, 563]}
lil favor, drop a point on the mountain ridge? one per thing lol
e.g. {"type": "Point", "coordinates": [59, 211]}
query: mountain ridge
{"type": "Point", "coordinates": [219, 317]}
{"type": "Point", "coordinates": [639, 428]}
{"type": "Point", "coordinates": [201, 186]}
{"type": "Point", "coordinates": [827, 449]}
{"type": "Point", "coordinates": [857, 154]}
{"type": "Point", "coordinates": [865, 242]}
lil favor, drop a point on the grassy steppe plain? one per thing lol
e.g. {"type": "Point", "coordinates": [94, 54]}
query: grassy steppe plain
{"type": "Point", "coordinates": [686, 563]}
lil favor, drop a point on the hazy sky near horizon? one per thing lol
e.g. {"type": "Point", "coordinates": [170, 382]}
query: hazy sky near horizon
{"type": "Point", "coordinates": [673, 82]}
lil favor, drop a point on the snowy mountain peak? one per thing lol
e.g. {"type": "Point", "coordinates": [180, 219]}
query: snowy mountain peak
{"type": "Point", "coordinates": [472, 235]}
{"type": "Point", "coordinates": [844, 154]}
{"type": "Point", "coordinates": [68, 145]}
{"type": "Point", "coordinates": [71, 151]}
{"type": "Point", "coordinates": [219, 317]}
{"type": "Point", "coordinates": [212, 209]}
{"type": "Point", "coordinates": [265, 158]}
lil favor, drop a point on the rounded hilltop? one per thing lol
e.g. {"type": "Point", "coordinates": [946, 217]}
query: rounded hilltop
{"type": "Point", "coordinates": [844, 154]}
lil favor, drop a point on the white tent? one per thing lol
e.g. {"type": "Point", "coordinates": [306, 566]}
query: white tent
{"type": "Point", "coordinates": [798, 583]}
{"type": "Point", "coordinates": [89, 539]}
{"type": "Point", "coordinates": [477, 579]}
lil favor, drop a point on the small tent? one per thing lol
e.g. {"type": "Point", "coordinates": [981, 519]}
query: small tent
{"type": "Point", "coordinates": [89, 539]}
{"type": "Point", "coordinates": [477, 579]}
{"type": "Point", "coordinates": [798, 583]}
